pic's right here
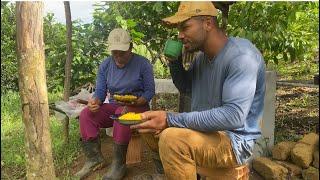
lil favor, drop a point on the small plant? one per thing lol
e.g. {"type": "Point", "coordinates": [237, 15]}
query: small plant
{"type": "Point", "coordinates": [263, 145]}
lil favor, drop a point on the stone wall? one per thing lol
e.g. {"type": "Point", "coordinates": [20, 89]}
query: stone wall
{"type": "Point", "coordinates": [291, 160]}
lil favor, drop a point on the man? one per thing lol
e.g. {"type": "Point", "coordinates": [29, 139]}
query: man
{"type": "Point", "coordinates": [122, 73]}
{"type": "Point", "coordinates": [227, 90]}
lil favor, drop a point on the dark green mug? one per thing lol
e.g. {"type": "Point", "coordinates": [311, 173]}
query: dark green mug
{"type": "Point", "coordinates": [172, 49]}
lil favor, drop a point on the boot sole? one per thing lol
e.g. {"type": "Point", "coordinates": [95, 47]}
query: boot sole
{"type": "Point", "coordinates": [95, 168]}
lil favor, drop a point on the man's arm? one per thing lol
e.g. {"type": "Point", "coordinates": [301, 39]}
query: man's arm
{"type": "Point", "coordinates": [237, 96]}
{"type": "Point", "coordinates": [180, 77]}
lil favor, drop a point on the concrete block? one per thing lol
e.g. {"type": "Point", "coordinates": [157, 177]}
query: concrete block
{"type": "Point", "coordinates": [165, 86]}
{"type": "Point", "coordinates": [267, 123]}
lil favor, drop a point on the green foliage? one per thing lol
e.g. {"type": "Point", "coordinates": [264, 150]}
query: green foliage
{"type": "Point", "coordinates": [9, 70]}
{"type": "Point", "coordinates": [160, 70]}
{"type": "Point", "coordinates": [88, 52]}
{"type": "Point", "coordinates": [141, 19]}
{"type": "Point", "coordinates": [304, 70]}
{"type": "Point", "coordinates": [281, 30]}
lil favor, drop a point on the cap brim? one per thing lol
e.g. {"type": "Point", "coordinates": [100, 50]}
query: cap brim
{"type": "Point", "coordinates": [176, 19]}
{"type": "Point", "coordinates": [119, 47]}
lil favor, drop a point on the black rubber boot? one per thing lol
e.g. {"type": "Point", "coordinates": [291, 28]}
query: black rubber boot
{"type": "Point", "coordinates": [159, 175]}
{"type": "Point", "coordinates": [118, 167]}
{"type": "Point", "coordinates": [94, 158]}
{"type": "Point", "coordinates": [158, 165]}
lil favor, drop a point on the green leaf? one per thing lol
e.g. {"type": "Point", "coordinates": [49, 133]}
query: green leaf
{"type": "Point", "coordinates": [157, 7]}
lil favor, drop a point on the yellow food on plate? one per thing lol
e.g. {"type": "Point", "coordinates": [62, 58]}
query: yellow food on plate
{"type": "Point", "coordinates": [130, 117]}
{"type": "Point", "coordinates": [125, 98]}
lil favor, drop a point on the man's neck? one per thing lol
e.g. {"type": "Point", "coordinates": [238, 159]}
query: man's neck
{"type": "Point", "coordinates": [215, 44]}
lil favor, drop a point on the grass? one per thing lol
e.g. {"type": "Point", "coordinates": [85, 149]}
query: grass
{"type": "Point", "coordinates": [12, 140]}
{"type": "Point", "coordinates": [304, 70]}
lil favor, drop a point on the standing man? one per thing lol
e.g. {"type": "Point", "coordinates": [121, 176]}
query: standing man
{"type": "Point", "coordinates": [124, 72]}
{"type": "Point", "coordinates": [227, 87]}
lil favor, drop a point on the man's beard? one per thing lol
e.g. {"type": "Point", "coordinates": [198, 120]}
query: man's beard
{"type": "Point", "coordinates": [193, 47]}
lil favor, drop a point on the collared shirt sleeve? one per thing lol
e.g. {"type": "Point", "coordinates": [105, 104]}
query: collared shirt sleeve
{"type": "Point", "coordinates": [237, 96]}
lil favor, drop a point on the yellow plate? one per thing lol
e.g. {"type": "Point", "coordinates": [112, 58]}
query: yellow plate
{"type": "Point", "coordinates": [129, 122]}
{"type": "Point", "coordinates": [130, 118]}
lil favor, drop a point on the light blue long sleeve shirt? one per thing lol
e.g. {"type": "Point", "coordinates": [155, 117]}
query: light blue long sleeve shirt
{"type": "Point", "coordinates": [136, 78]}
{"type": "Point", "coordinates": [227, 94]}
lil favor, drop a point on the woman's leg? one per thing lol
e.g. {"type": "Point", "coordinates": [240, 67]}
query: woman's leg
{"type": "Point", "coordinates": [91, 122]}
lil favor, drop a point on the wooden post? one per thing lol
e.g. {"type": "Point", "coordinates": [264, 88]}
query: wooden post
{"type": "Point", "coordinates": [134, 149]}
{"type": "Point", "coordinates": [33, 90]}
{"type": "Point", "coordinates": [67, 67]}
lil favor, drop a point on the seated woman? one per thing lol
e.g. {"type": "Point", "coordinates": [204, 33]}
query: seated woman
{"type": "Point", "coordinates": [123, 73]}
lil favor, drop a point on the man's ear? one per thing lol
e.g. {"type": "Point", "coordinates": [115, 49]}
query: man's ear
{"type": "Point", "coordinates": [207, 23]}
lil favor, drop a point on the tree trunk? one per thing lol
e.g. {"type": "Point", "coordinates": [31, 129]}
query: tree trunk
{"type": "Point", "coordinates": [224, 7]}
{"type": "Point", "coordinates": [33, 90]}
{"type": "Point", "coordinates": [225, 13]}
{"type": "Point", "coordinates": [67, 67]}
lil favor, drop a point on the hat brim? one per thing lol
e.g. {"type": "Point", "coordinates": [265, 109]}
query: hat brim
{"type": "Point", "coordinates": [119, 47]}
{"type": "Point", "coordinates": [175, 19]}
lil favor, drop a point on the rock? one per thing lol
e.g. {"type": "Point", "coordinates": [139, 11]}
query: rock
{"type": "Point", "coordinates": [302, 154]}
{"type": "Point", "coordinates": [282, 150]}
{"type": "Point", "coordinates": [311, 139]}
{"type": "Point", "coordinates": [310, 174]}
{"type": "Point", "coordinates": [269, 169]}
{"type": "Point", "coordinates": [316, 159]}
{"type": "Point", "coordinates": [293, 169]}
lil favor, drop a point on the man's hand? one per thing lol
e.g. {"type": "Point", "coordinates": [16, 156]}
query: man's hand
{"type": "Point", "coordinates": [94, 104]}
{"type": "Point", "coordinates": [154, 122]}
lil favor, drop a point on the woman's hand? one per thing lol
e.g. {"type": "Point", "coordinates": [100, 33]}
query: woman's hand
{"type": "Point", "coordinates": [94, 104]}
{"type": "Point", "coordinates": [141, 101]}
